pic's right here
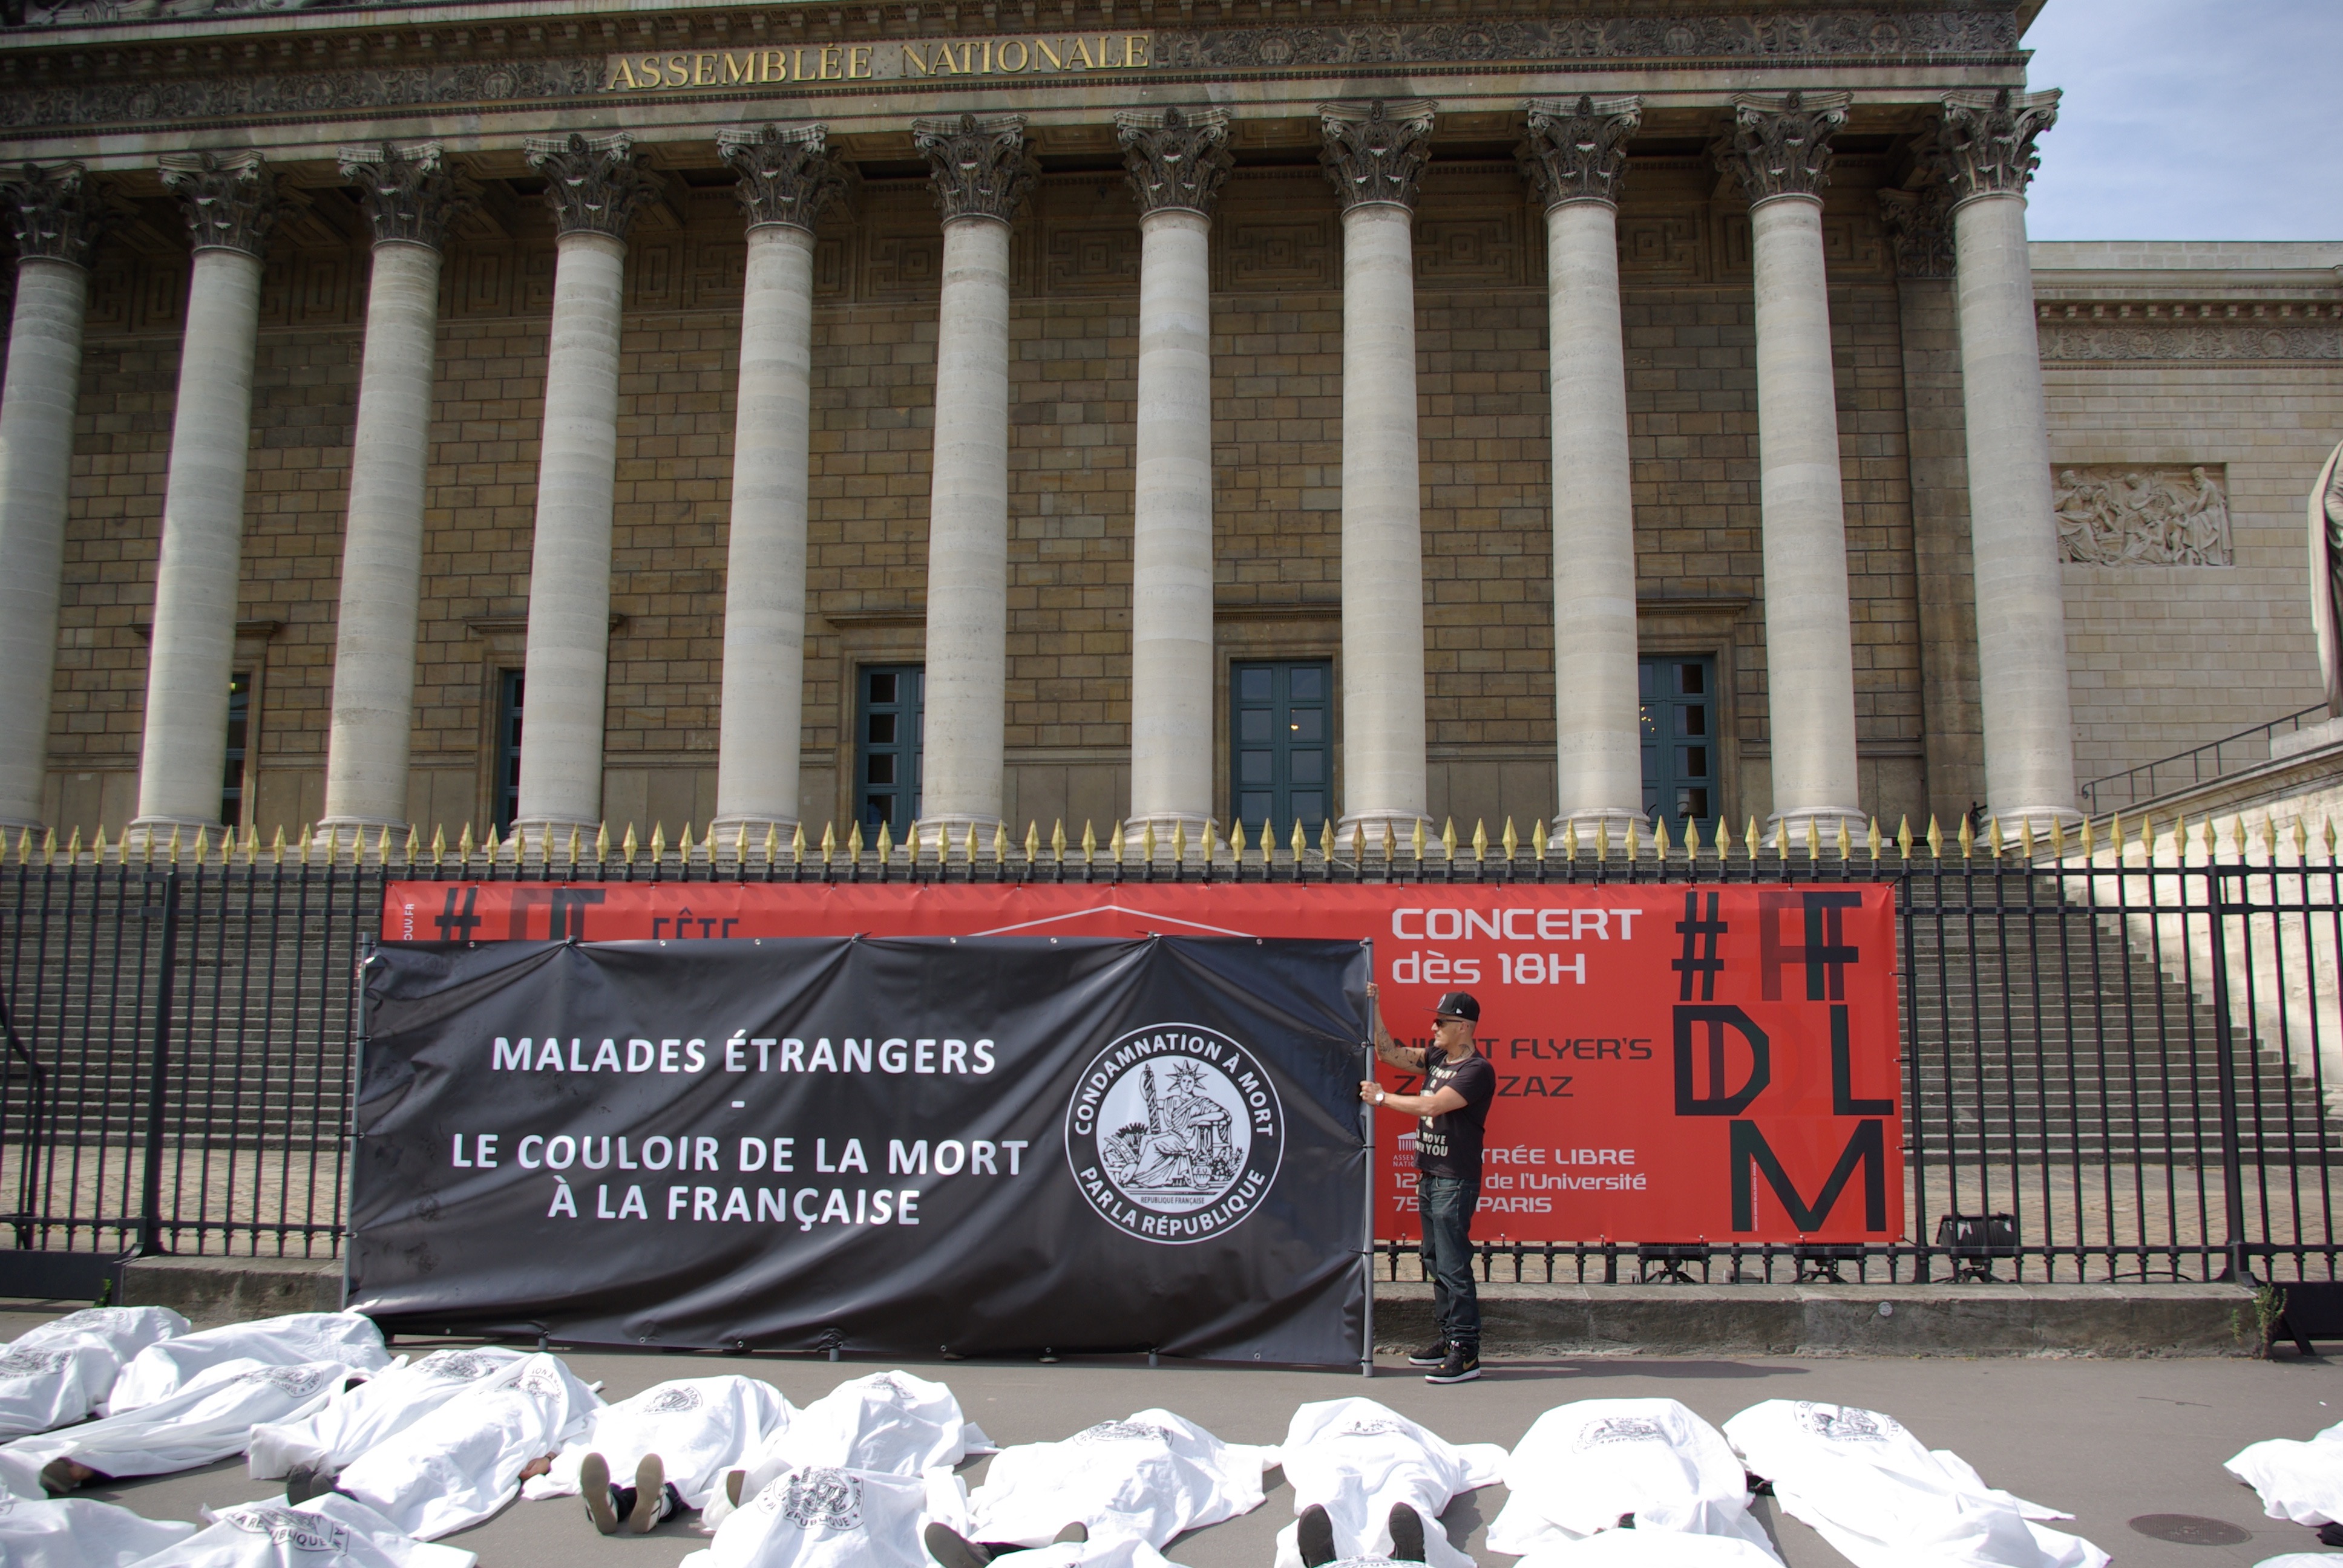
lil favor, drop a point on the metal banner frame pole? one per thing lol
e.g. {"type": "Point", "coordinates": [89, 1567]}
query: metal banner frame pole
{"type": "Point", "coordinates": [1367, 1240]}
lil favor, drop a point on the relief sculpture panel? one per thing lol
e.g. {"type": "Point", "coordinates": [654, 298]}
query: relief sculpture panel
{"type": "Point", "coordinates": [2112, 514]}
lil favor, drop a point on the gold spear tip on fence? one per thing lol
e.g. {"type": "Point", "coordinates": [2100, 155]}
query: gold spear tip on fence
{"type": "Point", "coordinates": [854, 839]}
{"type": "Point", "coordinates": [73, 846]}
{"type": "Point", "coordinates": [1416, 840]}
{"type": "Point", "coordinates": [2057, 839]}
{"type": "Point", "coordinates": [629, 844]}
{"type": "Point", "coordinates": [203, 844]}
{"type": "Point", "coordinates": [773, 840]}
{"type": "Point", "coordinates": [1326, 840]}
{"type": "Point", "coordinates": [1058, 839]}
{"type": "Point", "coordinates": [886, 843]}
{"type": "Point", "coordinates": [50, 847]}
{"type": "Point", "coordinates": [1570, 840]}
{"type": "Point", "coordinates": [1089, 841]}
{"type": "Point", "coordinates": [1147, 842]}
{"type": "Point", "coordinates": [1814, 838]}
{"type": "Point", "coordinates": [1179, 842]}
{"type": "Point", "coordinates": [1032, 842]}
{"type": "Point", "coordinates": [1301, 844]}
{"type": "Point", "coordinates": [1117, 840]}
{"type": "Point", "coordinates": [97, 845]}
{"type": "Point", "coordinates": [658, 840]}
{"type": "Point", "coordinates": [414, 843]}
{"type": "Point", "coordinates": [829, 840]}
{"type": "Point", "coordinates": [1968, 837]}
{"type": "Point", "coordinates": [1692, 838]}
{"type": "Point", "coordinates": [1480, 839]}
{"type": "Point", "coordinates": [1537, 838]}
{"type": "Point", "coordinates": [1391, 843]}
{"type": "Point", "coordinates": [2025, 839]}
{"type": "Point", "coordinates": [1359, 840]}
{"type": "Point", "coordinates": [739, 842]}
{"type": "Point", "coordinates": [797, 844]}
{"type": "Point", "coordinates": [2327, 834]}
{"type": "Point", "coordinates": [999, 839]}
{"type": "Point", "coordinates": [2301, 840]}
{"type": "Point", "coordinates": [1660, 845]}
{"type": "Point", "coordinates": [1846, 848]}
{"type": "Point", "coordinates": [2212, 840]}
{"type": "Point", "coordinates": [2115, 832]}
{"type": "Point", "coordinates": [1510, 840]}
{"type": "Point", "coordinates": [2090, 842]}
{"type": "Point", "coordinates": [1237, 839]}
{"type": "Point", "coordinates": [1448, 839]}
{"type": "Point", "coordinates": [1904, 835]}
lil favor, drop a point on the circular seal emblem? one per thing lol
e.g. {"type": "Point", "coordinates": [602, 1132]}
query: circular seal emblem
{"type": "Point", "coordinates": [1175, 1133]}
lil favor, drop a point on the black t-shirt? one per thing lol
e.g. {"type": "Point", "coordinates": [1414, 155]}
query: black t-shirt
{"type": "Point", "coordinates": [1450, 1144]}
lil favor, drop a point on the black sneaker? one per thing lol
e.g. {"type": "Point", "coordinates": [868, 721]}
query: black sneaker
{"type": "Point", "coordinates": [1462, 1365]}
{"type": "Point", "coordinates": [304, 1481]}
{"type": "Point", "coordinates": [952, 1549]}
{"type": "Point", "coordinates": [2330, 1536]}
{"type": "Point", "coordinates": [1406, 1534]}
{"type": "Point", "coordinates": [1313, 1537]}
{"type": "Point", "coordinates": [1430, 1355]}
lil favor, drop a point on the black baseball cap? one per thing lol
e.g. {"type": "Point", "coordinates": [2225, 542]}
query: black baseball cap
{"type": "Point", "coordinates": [1458, 1004]}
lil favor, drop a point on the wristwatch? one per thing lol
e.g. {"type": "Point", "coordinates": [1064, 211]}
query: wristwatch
{"type": "Point", "coordinates": [1381, 1096]}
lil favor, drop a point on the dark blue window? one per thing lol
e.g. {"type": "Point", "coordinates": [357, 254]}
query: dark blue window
{"type": "Point", "coordinates": [239, 730]}
{"type": "Point", "coordinates": [507, 791]}
{"type": "Point", "coordinates": [889, 728]}
{"type": "Point", "coordinates": [1282, 744]}
{"type": "Point", "coordinates": [1679, 729]}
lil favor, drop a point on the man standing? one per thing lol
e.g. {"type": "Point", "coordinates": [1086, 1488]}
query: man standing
{"type": "Point", "coordinates": [1452, 1112]}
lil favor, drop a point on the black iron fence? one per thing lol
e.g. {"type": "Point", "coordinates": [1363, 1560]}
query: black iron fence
{"type": "Point", "coordinates": [2117, 1051]}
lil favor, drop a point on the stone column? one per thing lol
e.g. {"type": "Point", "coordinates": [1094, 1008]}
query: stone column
{"type": "Point", "coordinates": [1919, 229]}
{"type": "Point", "coordinates": [231, 206]}
{"type": "Point", "coordinates": [787, 178]}
{"type": "Point", "coordinates": [58, 213]}
{"type": "Point", "coordinates": [1176, 161]}
{"type": "Point", "coordinates": [982, 173]}
{"type": "Point", "coordinates": [1780, 149]}
{"type": "Point", "coordinates": [1576, 156]}
{"type": "Point", "coordinates": [1374, 153]}
{"type": "Point", "coordinates": [1985, 149]}
{"type": "Point", "coordinates": [595, 186]}
{"type": "Point", "coordinates": [408, 194]}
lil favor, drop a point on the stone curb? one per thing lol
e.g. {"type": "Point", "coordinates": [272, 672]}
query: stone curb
{"type": "Point", "coordinates": [1972, 1319]}
{"type": "Point", "coordinates": [1969, 1320]}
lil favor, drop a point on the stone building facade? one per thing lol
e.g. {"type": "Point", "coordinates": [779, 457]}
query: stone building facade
{"type": "Point", "coordinates": [645, 380]}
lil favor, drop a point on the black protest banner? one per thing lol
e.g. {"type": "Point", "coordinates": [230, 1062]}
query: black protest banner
{"type": "Point", "coordinates": [978, 1145]}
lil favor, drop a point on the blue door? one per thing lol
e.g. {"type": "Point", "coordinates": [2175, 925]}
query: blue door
{"type": "Point", "coordinates": [1282, 744]}
{"type": "Point", "coordinates": [888, 729]}
{"type": "Point", "coordinates": [1679, 729]}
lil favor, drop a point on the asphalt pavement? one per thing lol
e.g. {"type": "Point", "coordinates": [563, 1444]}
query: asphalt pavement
{"type": "Point", "coordinates": [2111, 1441]}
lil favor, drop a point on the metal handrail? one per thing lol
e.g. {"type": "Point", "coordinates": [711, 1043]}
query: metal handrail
{"type": "Point", "coordinates": [2092, 804]}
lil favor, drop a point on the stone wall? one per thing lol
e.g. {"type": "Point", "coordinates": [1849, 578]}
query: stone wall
{"type": "Point", "coordinates": [1482, 320]}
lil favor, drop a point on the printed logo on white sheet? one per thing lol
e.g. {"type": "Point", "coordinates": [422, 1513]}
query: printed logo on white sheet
{"type": "Point", "coordinates": [300, 1382]}
{"type": "Point", "coordinates": [1175, 1133]}
{"type": "Point", "coordinates": [1845, 1423]}
{"type": "Point", "coordinates": [1612, 1429]}
{"type": "Point", "coordinates": [289, 1528]}
{"type": "Point", "coordinates": [458, 1366]}
{"type": "Point", "coordinates": [821, 1499]}
{"type": "Point", "coordinates": [33, 1364]}
{"type": "Point", "coordinates": [1108, 1432]}
{"type": "Point", "coordinates": [675, 1401]}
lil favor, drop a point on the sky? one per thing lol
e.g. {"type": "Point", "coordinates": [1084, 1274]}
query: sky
{"type": "Point", "coordinates": [2190, 119]}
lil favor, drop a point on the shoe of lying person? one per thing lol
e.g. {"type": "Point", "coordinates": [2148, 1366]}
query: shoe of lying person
{"type": "Point", "coordinates": [1430, 1355]}
{"type": "Point", "coordinates": [1076, 1532]}
{"type": "Point", "coordinates": [2330, 1536]}
{"type": "Point", "coordinates": [950, 1548]}
{"type": "Point", "coordinates": [601, 1498]}
{"type": "Point", "coordinates": [1406, 1534]}
{"type": "Point", "coordinates": [650, 1496]}
{"type": "Point", "coordinates": [1314, 1536]}
{"type": "Point", "coordinates": [1462, 1364]}
{"type": "Point", "coordinates": [304, 1481]}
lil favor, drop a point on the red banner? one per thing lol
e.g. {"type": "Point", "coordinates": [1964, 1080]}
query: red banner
{"type": "Point", "coordinates": [1675, 1063]}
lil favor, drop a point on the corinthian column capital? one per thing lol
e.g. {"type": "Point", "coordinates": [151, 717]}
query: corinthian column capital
{"type": "Point", "coordinates": [1919, 224]}
{"type": "Point", "coordinates": [1578, 151]}
{"type": "Point", "coordinates": [1175, 158]}
{"type": "Point", "coordinates": [595, 185]}
{"type": "Point", "coordinates": [1780, 147]}
{"type": "Point", "coordinates": [978, 165]}
{"type": "Point", "coordinates": [231, 202]}
{"type": "Point", "coordinates": [408, 192]}
{"type": "Point", "coordinates": [1375, 151]}
{"type": "Point", "coordinates": [788, 175]}
{"type": "Point", "coordinates": [59, 212]}
{"type": "Point", "coordinates": [1985, 146]}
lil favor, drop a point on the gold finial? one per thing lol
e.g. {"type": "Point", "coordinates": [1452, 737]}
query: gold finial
{"type": "Point", "coordinates": [1237, 839]}
{"type": "Point", "coordinates": [886, 844]}
{"type": "Point", "coordinates": [2301, 841]}
{"type": "Point", "coordinates": [1846, 848]}
{"type": "Point", "coordinates": [1660, 845]}
{"type": "Point", "coordinates": [489, 847]}
{"type": "Point", "coordinates": [658, 840]}
{"type": "Point", "coordinates": [797, 843]}
{"type": "Point", "coordinates": [203, 844]}
{"type": "Point", "coordinates": [2025, 839]}
{"type": "Point", "coordinates": [301, 847]}
{"type": "Point", "coordinates": [2327, 834]}
{"type": "Point", "coordinates": [1628, 845]}
{"type": "Point", "coordinates": [774, 841]}
{"type": "Point", "coordinates": [1993, 836]}
{"type": "Point", "coordinates": [1416, 840]}
{"type": "Point", "coordinates": [97, 845]}
{"type": "Point", "coordinates": [1480, 839]}
{"type": "Point", "coordinates": [73, 848]}
{"type": "Point", "coordinates": [414, 843]}
{"type": "Point", "coordinates": [683, 845]}
{"type": "Point", "coordinates": [1116, 837]}
{"type": "Point", "coordinates": [854, 840]}
{"type": "Point", "coordinates": [2090, 842]}
{"type": "Point", "coordinates": [49, 847]}
{"type": "Point", "coordinates": [1448, 839]}
{"type": "Point", "coordinates": [1058, 840]}
{"type": "Point", "coordinates": [1570, 840]}
{"type": "Point", "coordinates": [829, 840]}
{"type": "Point", "coordinates": [1326, 840]}
{"type": "Point", "coordinates": [1147, 842]}
{"type": "Point", "coordinates": [1391, 843]}
{"type": "Point", "coordinates": [1692, 838]}
{"type": "Point", "coordinates": [2115, 833]}
{"type": "Point", "coordinates": [1000, 842]}
{"type": "Point", "coordinates": [739, 843]}
{"type": "Point", "coordinates": [1873, 841]}
{"type": "Point", "coordinates": [1179, 842]}
{"type": "Point", "coordinates": [2057, 839]}
{"type": "Point", "coordinates": [2212, 839]}
{"type": "Point", "coordinates": [1301, 844]}
{"type": "Point", "coordinates": [438, 843]}
{"type": "Point", "coordinates": [1032, 842]}
{"type": "Point", "coordinates": [1935, 839]}
{"type": "Point", "coordinates": [1359, 840]}
{"type": "Point", "coordinates": [145, 848]}
{"type": "Point", "coordinates": [1968, 836]}
{"type": "Point", "coordinates": [629, 845]}
{"type": "Point", "coordinates": [1749, 840]}
{"type": "Point", "coordinates": [1512, 840]}
{"type": "Point", "coordinates": [1089, 841]}
{"type": "Point", "coordinates": [1813, 839]}
{"type": "Point", "coordinates": [1537, 838]}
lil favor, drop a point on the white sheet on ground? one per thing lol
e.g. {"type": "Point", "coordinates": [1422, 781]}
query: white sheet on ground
{"type": "Point", "coordinates": [1651, 1548]}
{"type": "Point", "coordinates": [1356, 1458]}
{"type": "Point", "coordinates": [326, 1532]}
{"type": "Point", "coordinates": [80, 1532]}
{"type": "Point", "coordinates": [889, 1424]}
{"type": "Point", "coordinates": [1581, 1466]}
{"type": "Point", "coordinates": [373, 1413]}
{"type": "Point", "coordinates": [822, 1516]}
{"type": "Point", "coordinates": [1124, 1553]}
{"type": "Point", "coordinates": [1147, 1478]}
{"type": "Point", "coordinates": [1884, 1500]}
{"type": "Point", "coordinates": [461, 1462]}
{"type": "Point", "coordinates": [211, 1418]}
{"type": "Point", "coordinates": [2299, 1560]}
{"type": "Point", "coordinates": [62, 1371]}
{"type": "Point", "coordinates": [161, 1370]}
{"type": "Point", "coordinates": [700, 1427]}
{"type": "Point", "coordinates": [2299, 1480]}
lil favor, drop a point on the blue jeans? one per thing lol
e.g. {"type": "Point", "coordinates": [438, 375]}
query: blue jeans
{"type": "Point", "coordinates": [1448, 1203]}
